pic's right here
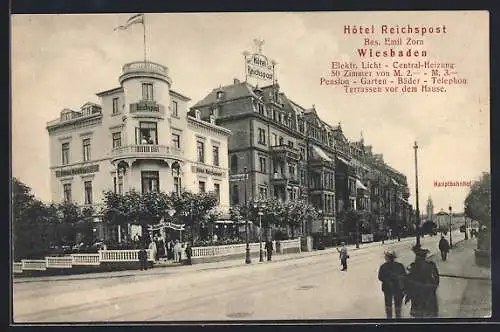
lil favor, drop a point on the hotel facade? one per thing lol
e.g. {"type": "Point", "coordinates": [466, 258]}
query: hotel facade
{"type": "Point", "coordinates": [139, 136]}
{"type": "Point", "coordinates": [289, 153]}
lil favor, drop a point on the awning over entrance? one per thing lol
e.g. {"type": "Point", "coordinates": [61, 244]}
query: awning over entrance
{"type": "Point", "coordinates": [343, 160]}
{"type": "Point", "coordinates": [162, 225]}
{"type": "Point", "coordinates": [321, 153]}
{"type": "Point", "coordinates": [359, 185]}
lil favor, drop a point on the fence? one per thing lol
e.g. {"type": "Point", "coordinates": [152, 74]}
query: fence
{"type": "Point", "coordinates": [67, 262]}
{"type": "Point", "coordinates": [232, 249]}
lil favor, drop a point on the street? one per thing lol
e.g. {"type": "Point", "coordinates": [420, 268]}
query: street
{"type": "Point", "coordinates": [312, 287]}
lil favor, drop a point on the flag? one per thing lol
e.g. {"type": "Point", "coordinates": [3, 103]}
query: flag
{"type": "Point", "coordinates": [136, 19]}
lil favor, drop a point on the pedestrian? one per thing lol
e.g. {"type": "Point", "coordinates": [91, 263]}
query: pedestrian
{"type": "Point", "coordinates": [177, 251]}
{"type": "Point", "coordinates": [421, 285]}
{"type": "Point", "coordinates": [444, 247]}
{"type": "Point", "coordinates": [189, 253]}
{"type": "Point", "coordinates": [153, 249]}
{"type": "Point", "coordinates": [392, 275]}
{"type": "Point", "coordinates": [143, 258]}
{"type": "Point", "coordinates": [269, 249]}
{"type": "Point", "coordinates": [343, 256]}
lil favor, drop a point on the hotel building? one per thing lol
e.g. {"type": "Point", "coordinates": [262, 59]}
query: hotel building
{"type": "Point", "coordinates": [139, 136]}
{"type": "Point", "coordinates": [290, 153]}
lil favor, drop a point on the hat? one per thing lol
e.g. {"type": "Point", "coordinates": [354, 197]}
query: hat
{"type": "Point", "coordinates": [419, 251]}
{"type": "Point", "coordinates": [390, 253]}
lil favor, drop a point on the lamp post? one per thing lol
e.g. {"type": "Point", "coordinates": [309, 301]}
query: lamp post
{"type": "Point", "coordinates": [248, 260]}
{"type": "Point", "coordinates": [415, 146]}
{"type": "Point", "coordinates": [260, 213]}
{"type": "Point", "coordinates": [357, 230]}
{"type": "Point", "coordinates": [465, 222]}
{"type": "Point", "coordinates": [451, 243]}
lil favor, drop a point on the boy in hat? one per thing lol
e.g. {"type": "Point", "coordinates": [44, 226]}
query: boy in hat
{"type": "Point", "coordinates": [343, 256]}
{"type": "Point", "coordinates": [392, 275]}
{"type": "Point", "coordinates": [421, 285]}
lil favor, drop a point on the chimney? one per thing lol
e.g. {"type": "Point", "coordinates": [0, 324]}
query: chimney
{"type": "Point", "coordinates": [236, 81]}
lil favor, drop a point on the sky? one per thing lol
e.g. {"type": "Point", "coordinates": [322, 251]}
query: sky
{"type": "Point", "coordinates": [62, 61]}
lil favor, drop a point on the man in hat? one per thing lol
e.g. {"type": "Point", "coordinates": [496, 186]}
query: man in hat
{"type": "Point", "coordinates": [343, 256]}
{"type": "Point", "coordinates": [421, 285]}
{"type": "Point", "coordinates": [392, 275]}
{"type": "Point", "coordinates": [444, 247]}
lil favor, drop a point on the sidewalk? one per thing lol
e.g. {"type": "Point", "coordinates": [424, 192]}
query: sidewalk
{"type": "Point", "coordinates": [173, 268]}
{"type": "Point", "coordinates": [465, 288]}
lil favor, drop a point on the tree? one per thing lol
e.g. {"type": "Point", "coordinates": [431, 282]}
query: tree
{"type": "Point", "coordinates": [31, 234]}
{"type": "Point", "coordinates": [295, 213]}
{"type": "Point", "coordinates": [478, 207]}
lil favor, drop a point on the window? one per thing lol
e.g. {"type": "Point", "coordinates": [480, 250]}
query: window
{"type": "Point", "coordinates": [201, 186]}
{"type": "Point", "coordinates": [117, 139]}
{"type": "Point", "coordinates": [116, 110]}
{"type": "Point", "coordinates": [150, 181]}
{"type": "Point", "coordinates": [262, 136]}
{"type": "Point", "coordinates": [120, 184]}
{"type": "Point", "coordinates": [275, 139]}
{"type": "Point", "coordinates": [262, 162]}
{"type": "Point", "coordinates": [88, 192]}
{"type": "Point", "coordinates": [262, 192]}
{"type": "Point", "coordinates": [217, 191]}
{"type": "Point", "coordinates": [291, 170]}
{"type": "Point", "coordinates": [281, 141]}
{"type": "Point", "coordinates": [176, 141]}
{"type": "Point", "coordinates": [65, 153]}
{"type": "Point", "coordinates": [261, 109]}
{"type": "Point", "coordinates": [215, 151]}
{"type": "Point", "coordinates": [235, 195]}
{"type": "Point", "coordinates": [147, 133]}
{"type": "Point", "coordinates": [114, 184]}
{"type": "Point", "coordinates": [86, 149]}
{"type": "Point", "coordinates": [175, 111]}
{"type": "Point", "coordinates": [67, 192]}
{"type": "Point", "coordinates": [147, 91]}
{"type": "Point", "coordinates": [234, 164]}
{"type": "Point", "coordinates": [200, 151]}
{"type": "Point", "coordinates": [302, 177]}
{"type": "Point", "coordinates": [274, 115]}
{"type": "Point", "coordinates": [177, 180]}
{"type": "Point", "coordinates": [290, 144]}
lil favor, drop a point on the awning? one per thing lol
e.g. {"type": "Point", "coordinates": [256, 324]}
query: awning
{"type": "Point", "coordinates": [321, 153]}
{"type": "Point", "coordinates": [343, 160]}
{"type": "Point", "coordinates": [402, 199]}
{"type": "Point", "coordinates": [359, 185]}
{"type": "Point", "coordinates": [394, 182]}
{"type": "Point", "coordinates": [159, 226]}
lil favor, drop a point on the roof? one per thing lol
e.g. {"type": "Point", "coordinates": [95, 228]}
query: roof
{"type": "Point", "coordinates": [233, 91]}
{"type": "Point", "coordinates": [107, 92]}
{"type": "Point", "coordinates": [181, 96]}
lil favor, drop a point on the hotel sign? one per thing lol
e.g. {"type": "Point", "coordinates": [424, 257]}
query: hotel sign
{"type": "Point", "coordinates": [207, 170]}
{"type": "Point", "coordinates": [258, 65]}
{"type": "Point", "coordinates": [78, 170]}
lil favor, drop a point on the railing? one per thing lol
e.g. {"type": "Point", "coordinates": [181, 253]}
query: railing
{"type": "Point", "coordinates": [17, 267]}
{"type": "Point", "coordinates": [85, 259]}
{"type": "Point", "coordinates": [59, 262]}
{"type": "Point", "coordinates": [285, 148]}
{"type": "Point", "coordinates": [239, 248]}
{"type": "Point", "coordinates": [150, 149]}
{"type": "Point", "coordinates": [144, 66]}
{"type": "Point", "coordinates": [34, 264]}
{"type": "Point", "coordinates": [122, 255]}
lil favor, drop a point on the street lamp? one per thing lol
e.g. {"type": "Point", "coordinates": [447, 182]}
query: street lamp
{"type": "Point", "coordinates": [357, 230]}
{"type": "Point", "coordinates": [465, 222]}
{"type": "Point", "coordinates": [451, 243]}
{"type": "Point", "coordinates": [415, 146]}
{"type": "Point", "coordinates": [248, 260]}
{"type": "Point", "coordinates": [260, 213]}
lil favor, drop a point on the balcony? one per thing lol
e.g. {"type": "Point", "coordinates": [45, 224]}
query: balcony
{"type": "Point", "coordinates": [285, 151]}
{"type": "Point", "coordinates": [284, 179]}
{"type": "Point", "coordinates": [142, 151]}
{"type": "Point", "coordinates": [147, 109]}
{"type": "Point", "coordinates": [145, 69]}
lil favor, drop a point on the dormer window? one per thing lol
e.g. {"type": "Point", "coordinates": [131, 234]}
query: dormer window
{"type": "Point", "coordinates": [220, 94]}
{"type": "Point", "coordinates": [65, 115]}
{"type": "Point", "coordinates": [197, 114]}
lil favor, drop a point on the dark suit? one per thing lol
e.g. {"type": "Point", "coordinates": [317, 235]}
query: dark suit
{"type": "Point", "coordinates": [392, 275]}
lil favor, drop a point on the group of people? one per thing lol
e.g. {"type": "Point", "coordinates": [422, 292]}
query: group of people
{"type": "Point", "coordinates": [171, 250]}
{"type": "Point", "coordinates": [417, 283]}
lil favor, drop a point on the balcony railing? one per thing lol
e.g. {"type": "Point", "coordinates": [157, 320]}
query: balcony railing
{"type": "Point", "coordinates": [145, 150]}
{"type": "Point", "coordinates": [288, 150]}
{"type": "Point", "coordinates": [144, 66]}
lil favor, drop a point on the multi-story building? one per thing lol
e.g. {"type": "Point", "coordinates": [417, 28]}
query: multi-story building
{"type": "Point", "coordinates": [288, 152]}
{"type": "Point", "coordinates": [139, 136]}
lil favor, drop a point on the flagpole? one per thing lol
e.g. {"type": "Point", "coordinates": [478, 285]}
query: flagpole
{"type": "Point", "coordinates": [144, 30]}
